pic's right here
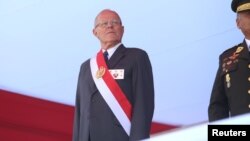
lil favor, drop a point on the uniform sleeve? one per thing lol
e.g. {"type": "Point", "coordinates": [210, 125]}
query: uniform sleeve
{"type": "Point", "coordinates": [218, 107]}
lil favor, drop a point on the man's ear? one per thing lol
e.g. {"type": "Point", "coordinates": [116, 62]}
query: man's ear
{"type": "Point", "coordinates": [122, 30]}
{"type": "Point", "coordinates": [94, 32]}
{"type": "Point", "coordinates": [238, 21]}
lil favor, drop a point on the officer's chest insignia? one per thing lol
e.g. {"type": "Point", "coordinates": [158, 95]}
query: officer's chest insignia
{"type": "Point", "coordinates": [228, 80]}
{"type": "Point", "coordinates": [228, 62]}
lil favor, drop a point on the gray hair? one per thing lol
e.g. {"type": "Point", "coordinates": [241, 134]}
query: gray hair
{"type": "Point", "coordinates": [105, 10]}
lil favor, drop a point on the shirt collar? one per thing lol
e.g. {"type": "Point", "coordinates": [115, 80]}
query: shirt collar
{"type": "Point", "coordinates": [112, 50]}
{"type": "Point", "coordinates": [248, 43]}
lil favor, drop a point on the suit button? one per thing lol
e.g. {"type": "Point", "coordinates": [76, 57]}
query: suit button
{"type": "Point", "coordinates": [249, 106]}
{"type": "Point", "coordinates": [249, 66]}
{"type": "Point", "coordinates": [248, 78]}
{"type": "Point", "coordinates": [248, 91]}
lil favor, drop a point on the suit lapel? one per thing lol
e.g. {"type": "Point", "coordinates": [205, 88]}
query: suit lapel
{"type": "Point", "coordinates": [117, 56]}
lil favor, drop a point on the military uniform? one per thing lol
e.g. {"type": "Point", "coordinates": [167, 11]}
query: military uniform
{"type": "Point", "coordinates": [231, 90]}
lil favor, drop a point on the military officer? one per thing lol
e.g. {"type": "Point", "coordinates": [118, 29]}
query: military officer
{"type": "Point", "coordinates": [231, 90]}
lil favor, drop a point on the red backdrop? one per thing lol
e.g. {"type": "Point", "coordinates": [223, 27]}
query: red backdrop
{"type": "Point", "coordinates": [24, 118]}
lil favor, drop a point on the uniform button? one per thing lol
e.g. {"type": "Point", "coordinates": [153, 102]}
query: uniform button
{"type": "Point", "coordinates": [248, 91]}
{"type": "Point", "coordinates": [249, 106]}
{"type": "Point", "coordinates": [249, 66]}
{"type": "Point", "coordinates": [248, 78]}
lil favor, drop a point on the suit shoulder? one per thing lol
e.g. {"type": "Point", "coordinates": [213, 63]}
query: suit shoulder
{"type": "Point", "coordinates": [139, 55]}
{"type": "Point", "coordinates": [85, 64]}
{"type": "Point", "coordinates": [135, 51]}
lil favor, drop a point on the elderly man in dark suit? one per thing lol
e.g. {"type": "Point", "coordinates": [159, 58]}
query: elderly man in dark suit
{"type": "Point", "coordinates": [115, 92]}
{"type": "Point", "coordinates": [231, 91]}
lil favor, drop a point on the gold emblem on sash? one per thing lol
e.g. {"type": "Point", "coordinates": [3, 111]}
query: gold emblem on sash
{"type": "Point", "coordinates": [100, 72]}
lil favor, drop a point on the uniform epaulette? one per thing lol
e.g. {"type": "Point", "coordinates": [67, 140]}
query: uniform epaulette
{"type": "Point", "coordinates": [232, 49]}
{"type": "Point", "coordinates": [230, 57]}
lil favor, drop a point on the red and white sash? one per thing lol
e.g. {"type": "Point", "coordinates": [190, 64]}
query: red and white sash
{"type": "Point", "coordinates": [111, 91]}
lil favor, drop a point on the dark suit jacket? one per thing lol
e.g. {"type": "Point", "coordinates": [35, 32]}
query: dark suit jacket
{"type": "Point", "coordinates": [231, 91]}
{"type": "Point", "coordinates": [93, 117]}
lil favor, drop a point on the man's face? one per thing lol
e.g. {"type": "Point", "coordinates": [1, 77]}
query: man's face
{"type": "Point", "coordinates": [243, 22]}
{"type": "Point", "coordinates": [108, 28]}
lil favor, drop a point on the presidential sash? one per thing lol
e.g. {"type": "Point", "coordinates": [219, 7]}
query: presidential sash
{"type": "Point", "coordinates": [111, 91]}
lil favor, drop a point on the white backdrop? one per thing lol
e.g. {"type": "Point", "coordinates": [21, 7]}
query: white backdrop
{"type": "Point", "coordinates": [44, 42]}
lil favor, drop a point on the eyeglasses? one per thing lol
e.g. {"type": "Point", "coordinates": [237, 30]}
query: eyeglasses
{"type": "Point", "coordinates": [105, 24]}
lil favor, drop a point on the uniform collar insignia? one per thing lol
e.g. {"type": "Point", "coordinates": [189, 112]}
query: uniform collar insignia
{"type": "Point", "coordinates": [239, 49]}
